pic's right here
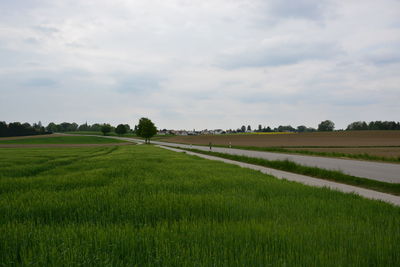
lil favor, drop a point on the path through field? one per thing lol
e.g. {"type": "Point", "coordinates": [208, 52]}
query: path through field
{"type": "Point", "coordinates": [307, 180]}
{"type": "Point", "coordinates": [351, 165]}
{"type": "Point", "coordinates": [385, 172]}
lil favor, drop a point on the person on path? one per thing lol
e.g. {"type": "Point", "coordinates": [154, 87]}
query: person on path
{"type": "Point", "coordinates": [210, 145]}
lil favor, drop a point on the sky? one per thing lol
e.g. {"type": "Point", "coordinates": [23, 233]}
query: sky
{"type": "Point", "coordinates": [200, 64]}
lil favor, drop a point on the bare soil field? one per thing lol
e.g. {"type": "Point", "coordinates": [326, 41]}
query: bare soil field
{"type": "Point", "coordinates": [320, 139]}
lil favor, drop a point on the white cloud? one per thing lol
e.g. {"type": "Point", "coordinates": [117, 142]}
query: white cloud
{"type": "Point", "coordinates": [200, 64]}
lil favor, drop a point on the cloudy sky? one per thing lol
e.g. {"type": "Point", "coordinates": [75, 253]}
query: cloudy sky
{"type": "Point", "coordinates": [200, 63]}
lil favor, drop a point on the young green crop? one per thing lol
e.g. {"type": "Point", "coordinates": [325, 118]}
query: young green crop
{"type": "Point", "coordinates": [63, 140]}
{"type": "Point", "coordinates": [144, 206]}
{"type": "Point", "coordinates": [290, 166]}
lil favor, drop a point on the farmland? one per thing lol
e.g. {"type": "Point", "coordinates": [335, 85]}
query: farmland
{"type": "Point", "coordinates": [59, 141]}
{"type": "Point", "coordinates": [141, 205]}
{"type": "Point", "coordinates": [384, 144]}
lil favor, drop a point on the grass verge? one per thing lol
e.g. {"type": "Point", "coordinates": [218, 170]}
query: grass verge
{"type": "Point", "coordinates": [289, 166]}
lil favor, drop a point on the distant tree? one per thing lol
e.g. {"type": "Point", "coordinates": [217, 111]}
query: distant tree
{"type": "Point", "coordinates": [259, 128]}
{"type": "Point", "coordinates": [384, 125]}
{"type": "Point", "coordinates": [357, 126]}
{"type": "Point", "coordinates": [287, 128]}
{"type": "Point", "coordinates": [52, 127]}
{"type": "Point", "coordinates": [67, 127]}
{"type": "Point", "coordinates": [37, 126]}
{"type": "Point", "coordinates": [268, 129]}
{"type": "Point", "coordinates": [301, 128]}
{"type": "Point", "coordinates": [146, 129]}
{"type": "Point", "coordinates": [73, 127]}
{"type": "Point", "coordinates": [84, 127]}
{"type": "Point", "coordinates": [243, 128]}
{"type": "Point", "coordinates": [95, 127]}
{"type": "Point", "coordinates": [326, 126]}
{"type": "Point", "coordinates": [248, 128]}
{"type": "Point", "coordinates": [3, 129]}
{"type": "Point", "coordinates": [16, 129]}
{"type": "Point", "coordinates": [20, 129]}
{"type": "Point", "coordinates": [128, 128]}
{"type": "Point", "coordinates": [121, 129]}
{"type": "Point", "coordinates": [105, 128]}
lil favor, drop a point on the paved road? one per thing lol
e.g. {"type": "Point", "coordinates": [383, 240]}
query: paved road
{"type": "Point", "coordinates": [385, 172]}
{"type": "Point", "coordinates": [305, 179]}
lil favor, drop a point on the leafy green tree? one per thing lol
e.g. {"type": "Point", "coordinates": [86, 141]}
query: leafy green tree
{"type": "Point", "coordinates": [357, 126]}
{"type": "Point", "coordinates": [84, 127]}
{"type": "Point", "coordinates": [287, 128]}
{"type": "Point", "coordinates": [105, 128]}
{"type": "Point", "coordinates": [127, 127]}
{"type": "Point", "coordinates": [52, 127]}
{"type": "Point", "coordinates": [301, 128]}
{"type": "Point", "coordinates": [121, 129]}
{"type": "Point", "coordinates": [3, 129]}
{"type": "Point", "coordinates": [326, 126]}
{"type": "Point", "coordinates": [146, 129]}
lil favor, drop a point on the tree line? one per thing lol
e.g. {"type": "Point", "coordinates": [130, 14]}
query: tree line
{"type": "Point", "coordinates": [373, 125]}
{"type": "Point", "coordinates": [325, 126]}
{"type": "Point", "coordinates": [145, 128]}
{"type": "Point", "coordinates": [97, 127]}
{"type": "Point", "coordinates": [21, 129]}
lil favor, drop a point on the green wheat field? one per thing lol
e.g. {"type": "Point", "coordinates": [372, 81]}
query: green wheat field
{"type": "Point", "coordinates": [62, 140]}
{"type": "Point", "coordinates": [145, 206]}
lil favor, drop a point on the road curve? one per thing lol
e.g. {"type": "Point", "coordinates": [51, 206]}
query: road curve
{"type": "Point", "coordinates": [385, 172]}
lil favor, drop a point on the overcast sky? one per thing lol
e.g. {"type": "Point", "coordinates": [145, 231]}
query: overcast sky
{"type": "Point", "coordinates": [200, 63]}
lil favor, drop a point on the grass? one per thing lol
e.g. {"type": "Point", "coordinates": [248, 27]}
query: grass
{"type": "Point", "coordinates": [100, 133]}
{"type": "Point", "coordinates": [145, 206]}
{"type": "Point", "coordinates": [63, 140]}
{"type": "Point", "coordinates": [156, 137]}
{"type": "Point", "coordinates": [289, 166]}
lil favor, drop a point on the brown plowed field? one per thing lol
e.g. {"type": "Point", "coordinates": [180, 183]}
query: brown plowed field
{"type": "Point", "coordinates": [325, 139]}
